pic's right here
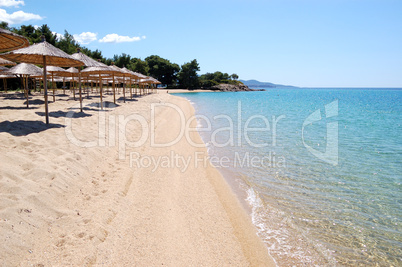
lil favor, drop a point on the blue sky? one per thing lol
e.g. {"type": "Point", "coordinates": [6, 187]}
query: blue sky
{"type": "Point", "coordinates": [308, 43]}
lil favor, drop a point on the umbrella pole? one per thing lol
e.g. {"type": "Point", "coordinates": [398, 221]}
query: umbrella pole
{"type": "Point", "coordinates": [73, 88]}
{"type": "Point", "coordinates": [26, 90]}
{"type": "Point", "coordinates": [124, 90]}
{"type": "Point", "coordinates": [45, 89]}
{"type": "Point", "coordinates": [87, 86]}
{"type": "Point", "coordinates": [54, 97]}
{"type": "Point", "coordinates": [22, 83]}
{"type": "Point", "coordinates": [114, 91]}
{"type": "Point", "coordinates": [100, 89]}
{"type": "Point", "coordinates": [79, 81]}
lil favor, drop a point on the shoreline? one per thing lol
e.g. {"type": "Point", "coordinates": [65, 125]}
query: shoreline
{"type": "Point", "coordinates": [177, 91]}
{"type": "Point", "coordinates": [82, 205]}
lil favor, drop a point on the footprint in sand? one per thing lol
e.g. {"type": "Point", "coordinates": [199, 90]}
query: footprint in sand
{"type": "Point", "coordinates": [81, 235]}
{"type": "Point", "coordinates": [61, 243]}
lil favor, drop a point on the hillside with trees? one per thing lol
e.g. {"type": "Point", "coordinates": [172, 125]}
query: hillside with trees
{"type": "Point", "coordinates": [168, 73]}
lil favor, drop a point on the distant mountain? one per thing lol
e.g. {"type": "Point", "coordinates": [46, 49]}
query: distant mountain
{"type": "Point", "coordinates": [255, 83]}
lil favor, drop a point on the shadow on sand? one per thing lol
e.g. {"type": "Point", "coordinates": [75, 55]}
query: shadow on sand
{"type": "Point", "coordinates": [22, 128]}
{"type": "Point", "coordinates": [106, 104]}
{"type": "Point", "coordinates": [14, 96]}
{"type": "Point", "coordinates": [35, 102]}
{"type": "Point", "coordinates": [69, 114]}
{"type": "Point", "coordinates": [16, 108]}
{"type": "Point", "coordinates": [121, 99]}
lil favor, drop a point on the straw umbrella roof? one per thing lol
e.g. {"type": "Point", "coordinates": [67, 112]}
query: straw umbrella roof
{"type": "Point", "coordinates": [58, 79]}
{"type": "Point", "coordinates": [58, 71]}
{"type": "Point", "coordinates": [140, 76]}
{"type": "Point", "coordinates": [26, 69]}
{"type": "Point", "coordinates": [35, 54]}
{"type": "Point", "coordinates": [55, 69]}
{"type": "Point", "coordinates": [2, 68]}
{"type": "Point", "coordinates": [6, 75]}
{"type": "Point", "coordinates": [117, 70]}
{"type": "Point", "coordinates": [155, 80]}
{"type": "Point", "coordinates": [150, 79]}
{"type": "Point", "coordinates": [146, 80]}
{"type": "Point", "coordinates": [124, 69]}
{"type": "Point", "coordinates": [88, 62]}
{"type": "Point", "coordinates": [96, 75]}
{"type": "Point", "coordinates": [129, 72]}
{"type": "Point", "coordinates": [73, 72]}
{"type": "Point", "coordinates": [11, 41]}
{"type": "Point", "coordinates": [5, 62]}
{"type": "Point", "coordinates": [99, 69]}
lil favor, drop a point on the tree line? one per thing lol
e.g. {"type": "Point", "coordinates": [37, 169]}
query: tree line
{"type": "Point", "coordinates": [169, 74]}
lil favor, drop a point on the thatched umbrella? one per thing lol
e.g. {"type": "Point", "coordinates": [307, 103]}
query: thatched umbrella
{"type": "Point", "coordinates": [2, 68]}
{"type": "Point", "coordinates": [45, 54]}
{"type": "Point", "coordinates": [132, 75]}
{"type": "Point", "coordinates": [155, 82]}
{"type": "Point", "coordinates": [88, 62]}
{"type": "Point", "coordinates": [139, 77]}
{"type": "Point", "coordinates": [73, 73]}
{"type": "Point", "coordinates": [120, 73]}
{"type": "Point", "coordinates": [99, 71]}
{"type": "Point", "coordinates": [11, 41]}
{"type": "Point", "coordinates": [25, 70]}
{"type": "Point", "coordinates": [5, 62]}
{"type": "Point", "coordinates": [146, 81]}
{"type": "Point", "coordinates": [58, 71]}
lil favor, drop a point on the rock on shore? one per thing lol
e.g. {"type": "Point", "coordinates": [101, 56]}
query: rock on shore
{"type": "Point", "coordinates": [232, 88]}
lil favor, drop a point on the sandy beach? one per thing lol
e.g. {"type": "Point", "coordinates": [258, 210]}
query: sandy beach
{"type": "Point", "coordinates": [107, 188]}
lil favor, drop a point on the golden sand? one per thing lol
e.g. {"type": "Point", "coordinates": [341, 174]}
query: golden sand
{"type": "Point", "coordinates": [77, 192]}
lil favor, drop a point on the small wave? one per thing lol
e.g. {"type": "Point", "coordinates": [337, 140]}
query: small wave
{"type": "Point", "coordinates": [285, 244]}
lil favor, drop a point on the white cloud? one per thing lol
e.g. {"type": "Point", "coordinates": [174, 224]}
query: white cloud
{"type": "Point", "coordinates": [86, 37]}
{"type": "Point", "coordinates": [59, 36]}
{"type": "Point", "coordinates": [115, 38]}
{"type": "Point", "coordinates": [17, 17]}
{"type": "Point", "coordinates": [11, 3]}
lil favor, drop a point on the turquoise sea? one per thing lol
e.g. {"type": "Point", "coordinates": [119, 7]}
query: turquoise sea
{"type": "Point", "coordinates": [320, 170]}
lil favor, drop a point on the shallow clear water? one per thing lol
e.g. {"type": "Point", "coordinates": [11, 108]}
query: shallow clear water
{"type": "Point", "coordinates": [322, 169]}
